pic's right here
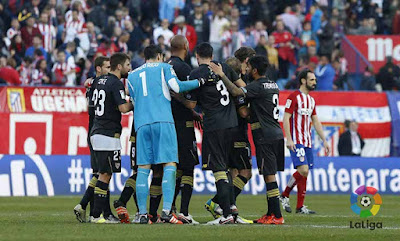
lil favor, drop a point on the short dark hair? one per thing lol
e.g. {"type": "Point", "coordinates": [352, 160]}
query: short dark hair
{"type": "Point", "coordinates": [347, 123]}
{"type": "Point", "coordinates": [260, 63]}
{"type": "Point", "coordinates": [244, 52]}
{"type": "Point", "coordinates": [99, 61]}
{"type": "Point", "coordinates": [303, 74]}
{"type": "Point", "coordinates": [118, 58]}
{"type": "Point", "coordinates": [204, 50]}
{"type": "Point", "coordinates": [151, 51]}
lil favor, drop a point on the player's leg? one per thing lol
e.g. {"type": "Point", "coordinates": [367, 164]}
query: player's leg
{"type": "Point", "coordinates": [88, 197]}
{"type": "Point", "coordinates": [303, 170]}
{"type": "Point", "coordinates": [155, 192]}
{"type": "Point", "coordinates": [270, 159]}
{"type": "Point", "coordinates": [109, 162]}
{"type": "Point", "coordinates": [179, 174]}
{"type": "Point", "coordinates": [145, 157]}
{"type": "Point", "coordinates": [187, 190]}
{"type": "Point", "coordinates": [216, 146]}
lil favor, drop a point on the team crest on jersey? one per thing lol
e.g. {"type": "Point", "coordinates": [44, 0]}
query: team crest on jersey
{"type": "Point", "coordinates": [288, 103]}
{"type": "Point", "coordinates": [302, 159]}
{"type": "Point", "coordinates": [117, 165]}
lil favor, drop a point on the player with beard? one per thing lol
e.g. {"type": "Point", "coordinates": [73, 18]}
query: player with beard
{"type": "Point", "coordinates": [263, 96]}
{"type": "Point", "coordinates": [109, 103]}
{"type": "Point", "coordinates": [300, 111]}
{"type": "Point", "coordinates": [102, 67]}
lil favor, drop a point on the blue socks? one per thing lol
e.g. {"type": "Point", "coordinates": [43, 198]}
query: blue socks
{"type": "Point", "coordinates": [168, 187]}
{"type": "Point", "coordinates": [142, 189]}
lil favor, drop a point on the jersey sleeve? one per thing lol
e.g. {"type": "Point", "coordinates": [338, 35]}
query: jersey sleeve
{"type": "Point", "coordinates": [314, 111]}
{"type": "Point", "coordinates": [118, 93]}
{"type": "Point", "coordinates": [252, 90]}
{"type": "Point", "coordinates": [175, 84]}
{"type": "Point", "coordinates": [291, 104]}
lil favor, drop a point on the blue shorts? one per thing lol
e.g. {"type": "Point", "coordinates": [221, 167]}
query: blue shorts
{"type": "Point", "coordinates": [156, 144]}
{"type": "Point", "coordinates": [302, 156]}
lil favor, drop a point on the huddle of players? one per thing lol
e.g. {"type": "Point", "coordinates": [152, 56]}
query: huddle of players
{"type": "Point", "coordinates": [224, 100]}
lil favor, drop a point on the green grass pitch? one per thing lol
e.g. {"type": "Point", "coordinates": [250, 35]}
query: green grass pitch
{"type": "Point", "coordinates": [52, 218]}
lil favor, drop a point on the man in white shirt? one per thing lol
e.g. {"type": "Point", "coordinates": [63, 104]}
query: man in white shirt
{"type": "Point", "coordinates": [350, 142]}
{"type": "Point", "coordinates": [164, 31]}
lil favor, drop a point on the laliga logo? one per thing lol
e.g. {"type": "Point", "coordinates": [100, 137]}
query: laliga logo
{"type": "Point", "coordinates": [366, 202]}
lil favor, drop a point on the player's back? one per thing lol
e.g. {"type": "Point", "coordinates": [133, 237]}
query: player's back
{"type": "Point", "coordinates": [214, 99]}
{"type": "Point", "coordinates": [150, 92]}
{"type": "Point", "coordinates": [107, 93]}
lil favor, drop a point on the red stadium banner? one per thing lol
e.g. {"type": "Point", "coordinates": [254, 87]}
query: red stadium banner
{"type": "Point", "coordinates": [374, 48]}
{"type": "Point", "coordinates": [54, 121]}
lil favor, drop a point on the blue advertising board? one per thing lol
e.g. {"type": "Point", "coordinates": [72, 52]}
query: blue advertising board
{"type": "Point", "coordinates": [35, 175]}
{"type": "Point", "coordinates": [394, 105]}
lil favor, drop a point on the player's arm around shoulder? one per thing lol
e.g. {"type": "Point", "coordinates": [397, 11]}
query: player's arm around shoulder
{"type": "Point", "coordinates": [175, 84]}
{"type": "Point", "coordinates": [232, 88]}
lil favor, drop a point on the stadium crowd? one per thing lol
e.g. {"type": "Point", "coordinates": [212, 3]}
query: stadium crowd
{"type": "Point", "coordinates": [54, 42]}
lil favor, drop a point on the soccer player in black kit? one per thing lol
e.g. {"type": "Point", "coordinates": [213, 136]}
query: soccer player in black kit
{"type": "Point", "coordinates": [109, 102]}
{"type": "Point", "coordinates": [263, 96]}
{"type": "Point", "coordinates": [220, 118]}
{"type": "Point", "coordinates": [183, 117]}
{"type": "Point", "coordinates": [102, 67]}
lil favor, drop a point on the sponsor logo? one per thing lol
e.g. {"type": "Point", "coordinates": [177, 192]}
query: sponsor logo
{"type": "Point", "coordinates": [379, 48]}
{"type": "Point", "coordinates": [16, 99]}
{"type": "Point", "coordinates": [288, 103]}
{"type": "Point", "coordinates": [365, 202]}
{"type": "Point", "coordinates": [58, 100]}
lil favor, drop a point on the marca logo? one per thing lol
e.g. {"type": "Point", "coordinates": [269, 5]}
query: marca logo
{"type": "Point", "coordinates": [379, 48]}
{"type": "Point", "coordinates": [16, 182]}
{"type": "Point", "coordinates": [16, 99]}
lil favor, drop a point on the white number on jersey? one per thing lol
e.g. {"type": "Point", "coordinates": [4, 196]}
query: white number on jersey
{"type": "Point", "coordinates": [224, 92]}
{"type": "Point", "coordinates": [144, 83]}
{"type": "Point", "coordinates": [275, 99]}
{"type": "Point", "coordinates": [100, 97]}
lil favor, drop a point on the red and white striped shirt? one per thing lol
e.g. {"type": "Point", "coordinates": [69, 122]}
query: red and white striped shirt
{"type": "Point", "coordinates": [302, 107]}
{"type": "Point", "coordinates": [72, 29]}
{"type": "Point", "coordinates": [49, 34]}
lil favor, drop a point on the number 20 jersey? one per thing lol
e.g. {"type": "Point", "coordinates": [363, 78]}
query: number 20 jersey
{"type": "Point", "coordinates": [217, 104]}
{"type": "Point", "coordinates": [107, 93]}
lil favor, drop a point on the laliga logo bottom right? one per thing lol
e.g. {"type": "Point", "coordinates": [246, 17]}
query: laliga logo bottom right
{"type": "Point", "coordinates": [366, 202]}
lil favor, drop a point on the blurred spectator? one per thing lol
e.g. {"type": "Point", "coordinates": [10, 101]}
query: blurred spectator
{"type": "Point", "coordinates": [368, 81]}
{"type": "Point", "coordinates": [186, 30]}
{"type": "Point", "coordinates": [76, 28]}
{"type": "Point", "coordinates": [37, 44]}
{"type": "Point", "coordinates": [325, 36]}
{"type": "Point", "coordinates": [93, 37]}
{"type": "Point", "coordinates": [261, 46]}
{"type": "Point", "coordinates": [201, 23]}
{"type": "Point", "coordinates": [259, 30]}
{"type": "Point", "coordinates": [350, 142]}
{"type": "Point", "coordinates": [64, 72]}
{"type": "Point", "coordinates": [164, 31]}
{"type": "Point", "coordinates": [136, 36]}
{"type": "Point", "coordinates": [121, 43]}
{"type": "Point", "coordinates": [29, 31]}
{"type": "Point", "coordinates": [291, 21]}
{"type": "Point", "coordinates": [14, 30]}
{"type": "Point", "coordinates": [388, 76]}
{"type": "Point", "coordinates": [308, 38]}
{"type": "Point", "coordinates": [25, 71]}
{"type": "Point", "coordinates": [340, 77]}
{"type": "Point", "coordinates": [245, 10]}
{"type": "Point", "coordinates": [230, 39]}
{"type": "Point", "coordinates": [122, 15]}
{"type": "Point", "coordinates": [161, 43]}
{"type": "Point", "coordinates": [169, 9]}
{"type": "Point", "coordinates": [325, 74]}
{"type": "Point", "coordinates": [40, 74]}
{"type": "Point", "coordinates": [17, 48]}
{"type": "Point", "coordinates": [364, 29]}
{"type": "Point", "coordinates": [216, 31]}
{"type": "Point", "coordinates": [48, 32]}
{"type": "Point", "coordinates": [315, 18]}
{"type": "Point", "coordinates": [246, 37]}
{"type": "Point", "coordinates": [272, 53]}
{"type": "Point", "coordinates": [77, 6]}
{"type": "Point", "coordinates": [286, 53]}
{"type": "Point", "coordinates": [138, 59]}
{"type": "Point", "coordinates": [8, 72]}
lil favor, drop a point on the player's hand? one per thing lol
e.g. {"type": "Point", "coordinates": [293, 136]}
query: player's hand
{"type": "Point", "coordinates": [88, 82]}
{"type": "Point", "coordinates": [197, 119]}
{"type": "Point", "coordinates": [290, 145]}
{"type": "Point", "coordinates": [327, 148]}
{"type": "Point", "coordinates": [217, 68]}
{"type": "Point", "coordinates": [202, 81]}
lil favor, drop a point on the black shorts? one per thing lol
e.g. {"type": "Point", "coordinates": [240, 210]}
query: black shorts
{"type": "Point", "coordinates": [108, 161]}
{"type": "Point", "coordinates": [187, 146]}
{"type": "Point", "coordinates": [240, 157]}
{"type": "Point", "coordinates": [270, 157]}
{"type": "Point", "coordinates": [216, 148]}
{"type": "Point", "coordinates": [93, 161]}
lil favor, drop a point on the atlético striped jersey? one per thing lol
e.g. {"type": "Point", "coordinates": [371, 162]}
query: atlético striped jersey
{"type": "Point", "coordinates": [302, 107]}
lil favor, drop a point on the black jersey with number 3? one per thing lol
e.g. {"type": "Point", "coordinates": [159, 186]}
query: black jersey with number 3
{"type": "Point", "coordinates": [263, 95]}
{"type": "Point", "coordinates": [108, 94]}
{"type": "Point", "coordinates": [217, 104]}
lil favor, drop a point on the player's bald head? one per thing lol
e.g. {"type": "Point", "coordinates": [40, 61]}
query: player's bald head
{"type": "Point", "coordinates": [178, 43]}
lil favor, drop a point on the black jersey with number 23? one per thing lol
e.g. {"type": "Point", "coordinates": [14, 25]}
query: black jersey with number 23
{"type": "Point", "coordinates": [108, 94]}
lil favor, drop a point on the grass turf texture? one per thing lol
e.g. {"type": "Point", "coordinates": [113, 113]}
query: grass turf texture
{"type": "Point", "coordinates": [52, 218]}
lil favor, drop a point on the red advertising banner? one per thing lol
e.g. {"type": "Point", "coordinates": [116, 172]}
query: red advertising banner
{"type": "Point", "coordinates": [374, 49]}
{"type": "Point", "coordinates": [54, 121]}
